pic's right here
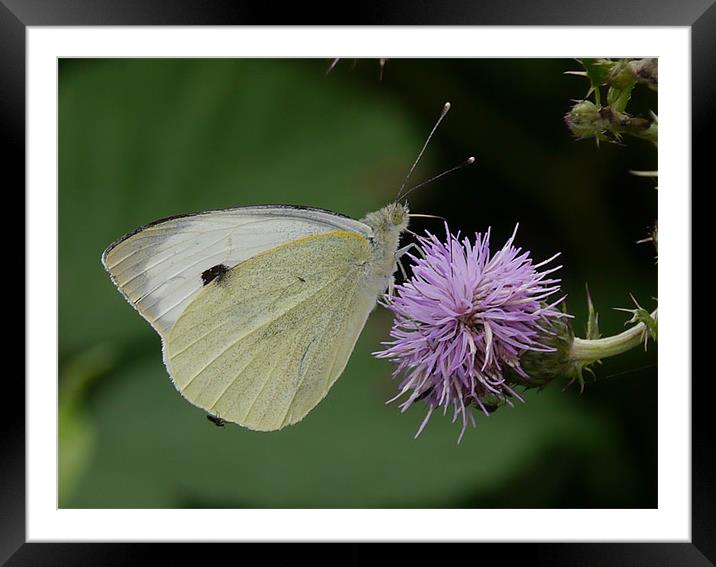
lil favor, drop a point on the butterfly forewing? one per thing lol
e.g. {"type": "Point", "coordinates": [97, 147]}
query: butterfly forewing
{"type": "Point", "coordinates": [161, 267]}
{"type": "Point", "coordinates": [262, 344]}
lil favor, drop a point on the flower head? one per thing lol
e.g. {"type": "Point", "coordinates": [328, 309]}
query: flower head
{"type": "Point", "coordinates": [463, 318]}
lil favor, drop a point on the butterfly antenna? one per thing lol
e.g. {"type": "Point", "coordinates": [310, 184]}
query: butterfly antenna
{"type": "Point", "coordinates": [444, 111]}
{"type": "Point", "coordinates": [467, 162]}
{"type": "Point", "coordinates": [421, 216]}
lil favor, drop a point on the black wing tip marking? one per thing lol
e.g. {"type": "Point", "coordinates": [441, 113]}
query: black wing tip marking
{"type": "Point", "coordinates": [213, 273]}
{"type": "Point", "coordinates": [216, 420]}
{"type": "Point", "coordinates": [224, 210]}
{"type": "Point", "coordinates": [139, 229]}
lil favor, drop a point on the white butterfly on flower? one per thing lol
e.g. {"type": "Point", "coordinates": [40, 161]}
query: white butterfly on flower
{"type": "Point", "coordinates": [259, 308]}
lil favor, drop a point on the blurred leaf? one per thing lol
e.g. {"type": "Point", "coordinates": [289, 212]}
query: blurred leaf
{"type": "Point", "coordinates": [76, 434]}
{"type": "Point", "coordinates": [76, 437]}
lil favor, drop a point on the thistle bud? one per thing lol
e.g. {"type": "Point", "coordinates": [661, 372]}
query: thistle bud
{"type": "Point", "coordinates": [622, 75]}
{"type": "Point", "coordinates": [584, 120]}
{"type": "Point", "coordinates": [542, 367]}
{"type": "Point", "coordinates": [587, 120]}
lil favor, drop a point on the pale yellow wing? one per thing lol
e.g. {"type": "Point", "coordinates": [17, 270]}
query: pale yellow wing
{"type": "Point", "coordinates": [262, 344]}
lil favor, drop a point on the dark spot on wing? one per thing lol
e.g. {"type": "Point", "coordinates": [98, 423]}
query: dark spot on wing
{"type": "Point", "coordinates": [214, 272]}
{"type": "Point", "coordinates": [216, 420]}
{"type": "Point", "coordinates": [301, 279]}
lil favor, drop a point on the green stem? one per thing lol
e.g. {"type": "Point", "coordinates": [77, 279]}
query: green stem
{"type": "Point", "coordinates": [586, 350]}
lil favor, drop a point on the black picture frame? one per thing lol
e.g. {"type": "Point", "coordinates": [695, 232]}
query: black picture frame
{"type": "Point", "coordinates": [17, 15]}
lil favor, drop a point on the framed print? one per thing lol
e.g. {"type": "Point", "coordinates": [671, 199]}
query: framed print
{"type": "Point", "coordinates": [398, 277]}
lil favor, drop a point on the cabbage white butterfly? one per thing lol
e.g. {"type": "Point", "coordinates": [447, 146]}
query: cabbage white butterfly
{"type": "Point", "coordinates": [259, 308]}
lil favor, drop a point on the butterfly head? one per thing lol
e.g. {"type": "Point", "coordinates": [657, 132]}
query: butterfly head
{"type": "Point", "coordinates": [398, 215]}
{"type": "Point", "coordinates": [387, 223]}
{"type": "Point", "coordinates": [390, 220]}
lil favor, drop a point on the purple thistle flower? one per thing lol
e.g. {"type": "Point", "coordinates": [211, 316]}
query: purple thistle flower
{"type": "Point", "coordinates": [463, 318]}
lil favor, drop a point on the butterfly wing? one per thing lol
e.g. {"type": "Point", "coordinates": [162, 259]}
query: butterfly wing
{"type": "Point", "coordinates": [159, 267]}
{"type": "Point", "coordinates": [262, 345]}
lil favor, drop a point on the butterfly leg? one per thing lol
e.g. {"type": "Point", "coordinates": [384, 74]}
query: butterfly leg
{"type": "Point", "coordinates": [405, 249]}
{"type": "Point", "coordinates": [402, 252]}
{"type": "Point", "coordinates": [402, 268]}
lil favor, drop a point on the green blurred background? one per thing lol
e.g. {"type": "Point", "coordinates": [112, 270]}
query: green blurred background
{"type": "Point", "coordinates": [142, 139]}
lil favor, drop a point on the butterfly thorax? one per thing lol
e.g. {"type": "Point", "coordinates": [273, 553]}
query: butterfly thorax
{"type": "Point", "coordinates": [388, 224]}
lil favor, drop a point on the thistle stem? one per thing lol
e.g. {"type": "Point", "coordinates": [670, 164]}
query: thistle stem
{"type": "Point", "coordinates": [589, 350]}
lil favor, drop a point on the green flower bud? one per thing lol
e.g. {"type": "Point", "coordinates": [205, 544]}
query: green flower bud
{"type": "Point", "coordinates": [621, 75]}
{"type": "Point", "coordinates": [584, 120]}
{"type": "Point", "coordinates": [587, 120]}
{"type": "Point", "coordinates": [544, 367]}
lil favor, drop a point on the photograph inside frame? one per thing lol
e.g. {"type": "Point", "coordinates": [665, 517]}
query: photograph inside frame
{"type": "Point", "coordinates": [371, 283]}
